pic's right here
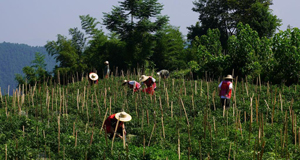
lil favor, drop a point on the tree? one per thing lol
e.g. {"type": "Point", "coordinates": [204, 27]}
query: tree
{"type": "Point", "coordinates": [132, 21]}
{"type": "Point", "coordinates": [34, 73]}
{"type": "Point", "coordinates": [286, 49]}
{"type": "Point", "coordinates": [225, 15]}
{"type": "Point", "coordinates": [169, 49]}
{"type": "Point", "coordinates": [244, 52]}
{"type": "Point", "coordinates": [209, 54]}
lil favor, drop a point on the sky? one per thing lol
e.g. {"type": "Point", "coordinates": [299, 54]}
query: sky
{"type": "Point", "coordinates": [34, 22]}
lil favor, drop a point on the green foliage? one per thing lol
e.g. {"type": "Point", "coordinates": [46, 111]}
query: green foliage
{"type": "Point", "coordinates": [225, 15]}
{"type": "Point", "coordinates": [285, 46]}
{"type": "Point", "coordinates": [34, 73]}
{"type": "Point", "coordinates": [14, 57]}
{"type": "Point", "coordinates": [30, 129]}
{"type": "Point", "coordinates": [169, 49]}
{"type": "Point", "coordinates": [209, 56]}
{"type": "Point", "coordinates": [135, 22]}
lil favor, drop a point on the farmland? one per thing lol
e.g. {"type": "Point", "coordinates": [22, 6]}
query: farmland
{"type": "Point", "coordinates": [183, 120]}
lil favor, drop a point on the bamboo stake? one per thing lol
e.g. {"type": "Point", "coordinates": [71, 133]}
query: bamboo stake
{"type": "Point", "coordinates": [112, 143]}
{"type": "Point", "coordinates": [58, 136]}
{"type": "Point", "coordinates": [229, 152]}
{"type": "Point", "coordinates": [76, 140]}
{"type": "Point", "coordinates": [103, 121]}
{"type": "Point", "coordinates": [171, 109]}
{"type": "Point", "coordinates": [178, 149]}
{"type": "Point", "coordinates": [162, 118]}
{"type": "Point", "coordinates": [5, 151]}
{"type": "Point", "coordinates": [151, 134]}
{"type": "Point", "coordinates": [187, 119]}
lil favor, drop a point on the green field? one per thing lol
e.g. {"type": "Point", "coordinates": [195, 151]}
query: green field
{"type": "Point", "coordinates": [178, 122]}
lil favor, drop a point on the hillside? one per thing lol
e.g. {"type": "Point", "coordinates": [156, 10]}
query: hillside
{"type": "Point", "coordinates": [13, 57]}
{"type": "Point", "coordinates": [178, 122]}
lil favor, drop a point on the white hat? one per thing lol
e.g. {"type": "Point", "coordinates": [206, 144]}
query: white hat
{"type": "Point", "coordinates": [124, 81]}
{"type": "Point", "coordinates": [106, 62]}
{"type": "Point", "coordinates": [123, 116]}
{"type": "Point", "coordinates": [228, 77]}
{"type": "Point", "coordinates": [93, 76]}
{"type": "Point", "coordinates": [158, 73]}
{"type": "Point", "coordinates": [143, 78]}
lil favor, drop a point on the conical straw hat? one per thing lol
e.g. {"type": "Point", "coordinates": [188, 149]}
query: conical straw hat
{"type": "Point", "coordinates": [123, 116]}
{"type": "Point", "coordinates": [143, 78]}
{"type": "Point", "coordinates": [228, 77]}
{"type": "Point", "coordinates": [93, 76]}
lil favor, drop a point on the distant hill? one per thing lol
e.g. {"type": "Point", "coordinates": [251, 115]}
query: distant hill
{"type": "Point", "coordinates": [13, 57]}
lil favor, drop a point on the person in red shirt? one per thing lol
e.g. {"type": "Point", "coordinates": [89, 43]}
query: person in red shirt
{"type": "Point", "coordinates": [110, 124]}
{"type": "Point", "coordinates": [225, 89]}
{"type": "Point", "coordinates": [149, 82]}
{"type": "Point", "coordinates": [134, 85]}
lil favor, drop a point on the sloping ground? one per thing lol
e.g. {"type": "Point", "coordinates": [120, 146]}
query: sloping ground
{"type": "Point", "coordinates": [64, 122]}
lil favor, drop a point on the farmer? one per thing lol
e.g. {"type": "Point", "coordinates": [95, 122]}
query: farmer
{"type": "Point", "coordinates": [163, 73]}
{"type": "Point", "coordinates": [225, 88]}
{"type": "Point", "coordinates": [93, 77]}
{"type": "Point", "coordinates": [110, 124]}
{"type": "Point", "coordinates": [106, 69]}
{"type": "Point", "coordinates": [136, 86]}
{"type": "Point", "coordinates": [149, 82]}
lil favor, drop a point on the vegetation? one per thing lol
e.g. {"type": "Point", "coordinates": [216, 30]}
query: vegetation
{"type": "Point", "coordinates": [14, 57]}
{"type": "Point", "coordinates": [225, 16]}
{"type": "Point", "coordinates": [183, 120]}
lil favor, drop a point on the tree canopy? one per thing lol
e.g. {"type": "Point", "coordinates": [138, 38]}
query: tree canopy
{"type": "Point", "coordinates": [225, 15]}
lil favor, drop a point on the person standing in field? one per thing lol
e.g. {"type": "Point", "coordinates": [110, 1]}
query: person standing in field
{"type": "Point", "coordinates": [110, 124]}
{"type": "Point", "coordinates": [149, 82]}
{"type": "Point", "coordinates": [163, 73]}
{"type": "Point", "coordinates": [134, 85]}
{"type": "Point", "coordinates": [225, 89]}
{"type": "Point", "coordinates": [106, 69]}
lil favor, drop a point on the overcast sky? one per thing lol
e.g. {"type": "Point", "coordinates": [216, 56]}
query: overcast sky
{"type": "Point", "coordinates": [34, 22]}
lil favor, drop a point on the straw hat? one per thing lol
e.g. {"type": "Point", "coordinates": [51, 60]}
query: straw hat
{"type": "Point", "coordinates": [106, 62]}
{"type": "Point", "coordinates": [93, 76]}
{"type": "Point", "coordinates": [123, 116]}
{"type": "Point", "coordinates": [124, 82]}
{"type": "Point", "coordinates": [143, 78]}
{"type": "Point", "coordinates": [228, 77]}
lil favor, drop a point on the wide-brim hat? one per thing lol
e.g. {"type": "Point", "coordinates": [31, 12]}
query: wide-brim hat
{"type": "Point", "coordinates": [93, 76]}
{"type": "Point", "coordinates": [123, 116]}
{"type": "Point", "coordinates": [106, 62]}
{"type": "Point", "coordinates": [228, 77]}
{"type": "Point", "coordinates": [143, 78]}
{"type": "Point", "coordinates": [124, 82]}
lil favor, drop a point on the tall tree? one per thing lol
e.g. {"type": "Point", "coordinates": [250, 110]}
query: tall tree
{"type": "Point", "coordinates": [169, 49]}
{"type": "Point", "coordinates": [225, 15]}
{"type": "Point", "coordinates": [135, 22]}
{"type": "Point", "coordinates": [34, 73]}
